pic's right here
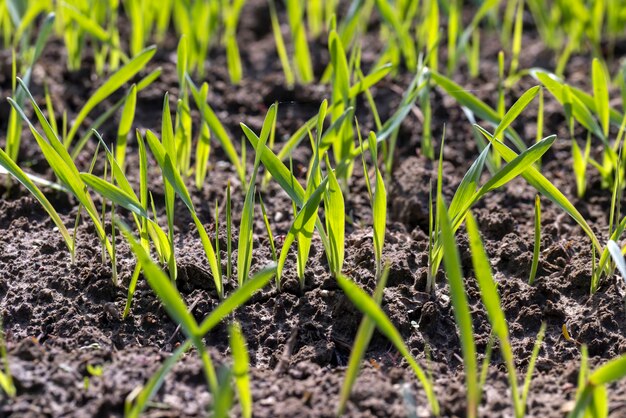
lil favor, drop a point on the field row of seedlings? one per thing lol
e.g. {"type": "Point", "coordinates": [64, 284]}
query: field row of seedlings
{"type": "Point", "coordinates": [365, 208]}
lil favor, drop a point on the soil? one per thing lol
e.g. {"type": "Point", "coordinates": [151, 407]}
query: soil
{"type": "Point", "coordinates": [61, 317]}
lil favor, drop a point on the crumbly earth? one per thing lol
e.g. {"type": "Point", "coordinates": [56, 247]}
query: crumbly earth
{"type": "Point", "coordinates": [60, 317]}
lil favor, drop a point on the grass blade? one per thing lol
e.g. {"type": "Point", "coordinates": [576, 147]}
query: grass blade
{"type": "Point", "coordinates": [462, 313]}
{"type": "Point", "coordinates": [114, 82]}
{"type": "Point", "coordinates": [361, 342]}
{"type": "Point", "coordinates": [537, 246]}
{"type": "Point", "coordinates": [241, 368]}
{"type": "Point", "coordinates": [16, 171]}
{"type": "Point", "coordinates": [491, 300]}
{"type": "Point", "coordinates": [545, 187]}
{"type": "Point", "coordinates": [600, 94]}
{"type": "Point", "coordinates": [363, 302]}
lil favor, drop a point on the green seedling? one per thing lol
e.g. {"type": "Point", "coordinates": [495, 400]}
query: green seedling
{"type": "Point", "coordinates": [229, 234]}
{"type": "Point", "coordinates": [592, 400]}
{"type": "Point", "coordinates": [169, 149]}
{"type": "Point", "coordinates": [483, 111]}
{"type": "Point", "coordinates": [6, 380]}
{"type": "Point", "coordinates": [342, 138]}
{"type": "Point", "coordinates": [491, 301]}
{"type": "Point", "coordinates": [335, 216]}
{"type": "Point", "coordinates": [114, 82]}
{"type": "Point", "coordinates": [281, 50]}
{"type": "Point", "coordinates": [16, 172]}
{"type": "Point", "coordinates": [172, 177]}
{"type": "Point", "coordinates": [399, 24]}
{"type": "Point", "coordinates": [225, 394]}
{"type": "Point", "coordinates": [302, 56]}
{"type": "Point", "coordinates": [370, 308]}
{"type": "Point", "coordinates": [64, 168]}
{"type": "Point", "coordinates": [361, 342]}
{"type": "Point", "coordinates": [462, 313]}
{"type": "Point", "coordinates": [516, 42]}
{"type": "Point", "coordinates": [537, 247]}
{"type": "Point", "coordinates": [378, 200]}
{"type": "Point", "coordinates": [203, 147]}
{"type": "Point", "coordinates": [14, 129]}
{"type": "Point", "coordinates": [362, 85]}
{"type": "Point", "coordinates": [120, 193]}
{"type": "Point", "coordinates": [468, 193]}
{"type": "Point", "coordinates": [175, 306]}
{"type": "Point", "coordinates": [301, 231]}
{"type": "Point", "coordinates": [268, 229]}
{"type": "Point", "coordinates": [183, 124]}
{"type": "Point", "coordinates": [106, 115]}
{"type": "Point", "coordinates": [246, 242]}
{"type": "Point", "coordinates": [218, 130]}
{"type": "Point", "coordinates": [231, 10]}
{"type": "Point", "coordinates": [241, 368]}
{"type": "Point", "coordinates": [125, 126]}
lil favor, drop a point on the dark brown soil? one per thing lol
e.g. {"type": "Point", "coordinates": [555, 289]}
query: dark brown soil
{"type": "Point", "coordinates": [60, 317]}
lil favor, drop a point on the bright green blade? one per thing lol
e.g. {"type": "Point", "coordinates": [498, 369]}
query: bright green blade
{"type": "Point", "coordinates": [23, 178]}
{"type": "Point", "coordinates": [361, 342]}
{"type": "Point", "coordinates": [462, 315]}
{"type": "Point", "coordinates": [114, 82]}
{"type": "Point", "coordinates": [369, 307]}
{"type": "Point", "coordinates": [241, 368]}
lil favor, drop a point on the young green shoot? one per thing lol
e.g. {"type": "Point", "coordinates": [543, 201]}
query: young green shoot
{"type": "Point", "coordinates": [241, 368]}
{"type": "Point", "coordinates": [114, 82]}
{"type": "Point", "coordinates": [268, 229]}
{"type": "Point", "coordinates": [361, 342]}
{"type": "Point", "coordinates": [462, 312]}
{"type": "Point", "coordinates": [6, 380]}
{"type": "Point", "coordinates": [244, 248]}
{"type": "Point", "coordinates": [173, 178]}
{"type": "Point", "coordinates": [335, 216]}
{"type": "Point", "coordinates": [138, 400]}
{"type": "Point", "coordinates": [229, 234]}
{"type": "Point", "coordinates": [368, 306]}
{"type": "Point", "coordinates": [537, 246]}
{"type": "Point", "coordinates": [378, 199]}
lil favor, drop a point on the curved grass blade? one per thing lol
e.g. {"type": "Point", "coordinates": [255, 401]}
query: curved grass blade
{"type": "Point", "coordinates": [361, 342]}
{"type": "Point", "coordinates": [244, 250]}
{"type": "Point", "coordinates": [580, 112]}
{"type": "Point", "coordinates": [126, 122]}
{"type": "Point", "coordinates": [462, 313]}
{"type": "Point", "coordinates": [22, 177]}
{"type": "Point", "coordinates": [218, 129]}
{"type": "Point", "coordinates": [114, 194]}
{"type": "Point", "coordinates": [515, 110]}
{"type": "Point", "coordinates": [241, 368]}
{"type": "Point", "coordinates": [100, 120]}
{"type": "Point", "coordinates": [174, 178]}
{"type": "Point", "coordinates": [172, 302]}
{"type": "Point", "coordinates": [370, 308]}
{"type": "Point", "coordinates": [237, 298]}
{"type": "Point", "coordinates": [600, 94]}
{"type": "Point", "coordinates": [491, 300]}
{"type": "Point", "coordinates": [137, 401]}
{"type": "Point", "coordinates": [113, 83]}
{"type": "Point", "coordinates": [63, 167]}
